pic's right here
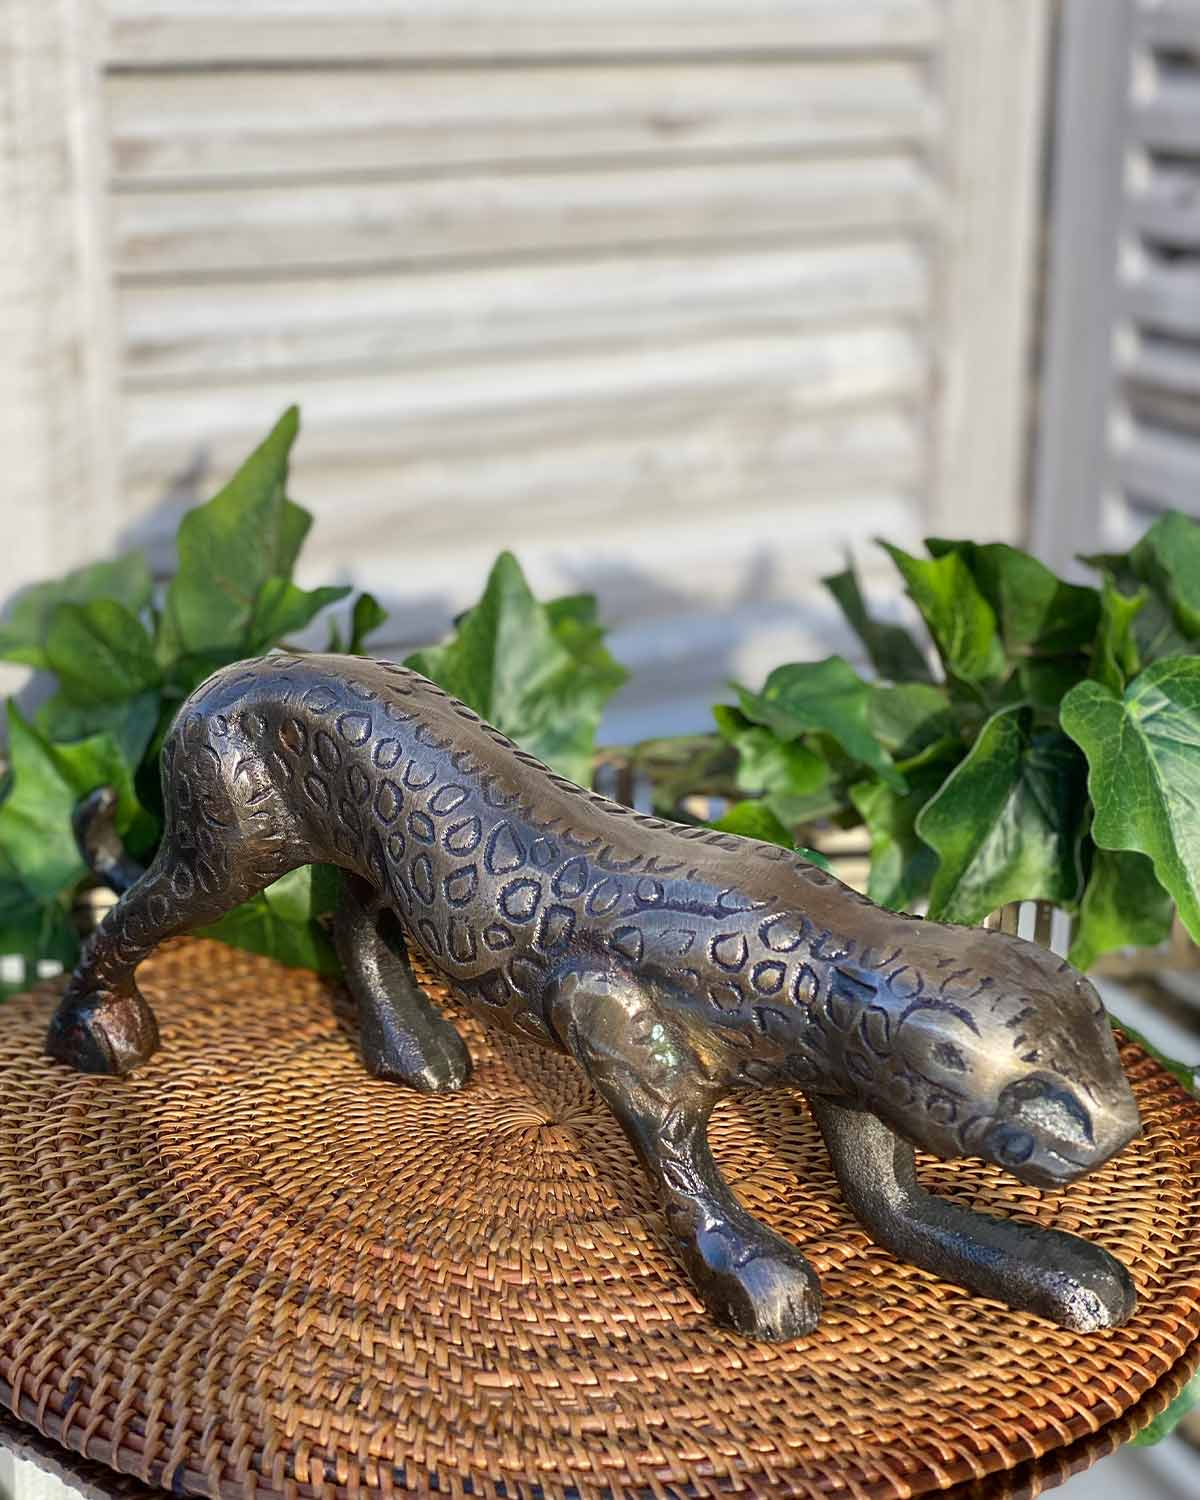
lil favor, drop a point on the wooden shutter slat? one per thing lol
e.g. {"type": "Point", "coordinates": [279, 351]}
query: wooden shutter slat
{"type": "Point", "coordinates": [234, 331]}
{"type": "Point", "coordinates": [571, 396]}
{"type": "Point", "coordinates": [212, 127]}
{"type": "Point", "coordinates": [1163, 467]}
{"type": "Point", "coordinates": [184, 34]}
{"type": "Point", "coordinates": [278, 231]}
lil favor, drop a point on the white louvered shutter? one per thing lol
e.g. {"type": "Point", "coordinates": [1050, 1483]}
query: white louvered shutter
{"type": "Point", "coordinates": [1121, 410]}
{"type": "Point", "coordinates": [677, 298]}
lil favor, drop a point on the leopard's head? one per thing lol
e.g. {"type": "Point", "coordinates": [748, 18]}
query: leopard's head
{"type": "Point", "coordinates": [998, 1049]}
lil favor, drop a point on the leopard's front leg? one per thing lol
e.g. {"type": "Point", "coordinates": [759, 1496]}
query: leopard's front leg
{"type": "Point", "coordinates": [643, 1067]}
{"type": "Point", "coordinates": [1044, 1271]}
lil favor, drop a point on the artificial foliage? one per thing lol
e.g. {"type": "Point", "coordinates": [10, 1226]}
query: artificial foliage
{"type": "Point", "coordinates": [1052, 754]}
{"type": "Point", "coordinates": [1040, 740]}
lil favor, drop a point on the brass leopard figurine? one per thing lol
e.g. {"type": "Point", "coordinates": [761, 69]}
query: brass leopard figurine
{"type": "Point", "coordinates": [675, 964]}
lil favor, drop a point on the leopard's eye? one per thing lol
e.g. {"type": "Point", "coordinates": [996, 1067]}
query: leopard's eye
{"type": "Point", "coordinates": [936, 1038]}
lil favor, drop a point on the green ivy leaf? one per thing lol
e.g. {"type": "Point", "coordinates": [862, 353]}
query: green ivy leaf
{"type": "Point", "coordinates": [1143, 751]}
{"type": "Point", "coordinates": [95, 762]}
{"type": "Point", "coordinates": [1035, 609]}
{"type": "Point", "coordinates": [1123, 906]}
{"type": "Point", "coordinates": [892, 651]}
{"type": "Point", "coordinates": [1115, 657]}
{"type": "Point", "coordinates": [960, 620]}
{"type": "Point", "coordinates": [258, 927]}
{"type": "Point", "coordinates": [100, 652]}
{"type": "Point", "coordinates": [910, 717]}
{"type": "Point", "coordinates": [47, 782]}
{"type": "Point", "coordinates": [368, 615]}
{"type": "Point", "coordinates": [282, 921]}
{"type": "Point", "coordinates": [33, 929]}
{"type": "Point", "coordinates": [902, 863]}
{"type": "Point", "coordinates": [1155, 632]}
{"type": "Point", "coordinates": [575, 621]}
{"type": "Point", "coordinates": [755, 820]}
{"type": "Point", "coordinates": [1166, 1422]}
{"type": "Point", "coordinates": [35, 817]}
{"type": "Point", "coordinates": [129, 723]}
{"type": "Point", "coordinates": [1044, 681]}
{"type": "Point", "coordinates": [1168, 559]}
{"type": "Point", "coordinates": [576, 613]}
{"type": "Point", "coordinates": [248, 533]}
{"type": "Point", "coordinates": [827, 697]}
{"type": "Point", "coordinates": [540, 673]}
{"type": "Point", "coordinates": [23, 635]}
{"type": "Point", "coordinates": [785, 772]}
{"type": "Point", "coordinates": [281, 606]}
{"type": "Point", "coordinates": [1185, 1073]}
{"type": "Point", "coordinates": [1005, 824]}
{"type": "Point", "coordinates": [305, 894]}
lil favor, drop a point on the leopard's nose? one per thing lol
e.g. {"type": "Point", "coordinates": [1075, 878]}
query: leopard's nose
{"type": "Point", "coordinates": [1048, 1108]}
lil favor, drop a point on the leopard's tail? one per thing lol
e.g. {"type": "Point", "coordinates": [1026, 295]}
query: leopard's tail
{"type": "Point", "coordinates": [94, 823]}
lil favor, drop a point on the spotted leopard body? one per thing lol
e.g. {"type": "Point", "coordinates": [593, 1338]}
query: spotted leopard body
{"type": "Point", "coordinates": [504, 875]}
{"type": "Point", "coordinates": [675, 965]}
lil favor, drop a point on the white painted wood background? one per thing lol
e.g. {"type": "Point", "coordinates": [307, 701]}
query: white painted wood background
{"type": "Point", "coordinates": [1121, 415]}
{"type": "Point", "coordinates": [678, 298]}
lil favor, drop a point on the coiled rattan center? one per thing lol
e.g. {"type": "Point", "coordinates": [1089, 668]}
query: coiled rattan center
{"type": "Point", "coordinates": [252, 1268]}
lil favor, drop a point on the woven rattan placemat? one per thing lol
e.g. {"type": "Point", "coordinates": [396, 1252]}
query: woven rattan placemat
{"type": "Point", "coordinates": [252, 1268]}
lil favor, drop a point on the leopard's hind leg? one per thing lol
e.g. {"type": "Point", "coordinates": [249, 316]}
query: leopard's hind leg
{"type": "Point", "coordinates": [225, 841]}
{"type": "Point", "coordinates": [405, 1038]}
{"type": "Point", "coordinates": [102, 1023]}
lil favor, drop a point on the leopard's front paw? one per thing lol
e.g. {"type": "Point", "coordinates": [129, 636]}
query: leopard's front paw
{"type": "Point", "coordinates": [756, 1284]}
{"type": "Point", "coordinates": [1092, 1292]}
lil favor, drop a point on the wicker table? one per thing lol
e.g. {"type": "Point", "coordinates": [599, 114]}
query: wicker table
{"type": "Point", "coordinates": [253, 1270]}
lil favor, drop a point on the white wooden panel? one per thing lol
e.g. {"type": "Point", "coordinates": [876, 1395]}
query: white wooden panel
{"type": "Point", "coordinates": [22, 1479]}
{"type": "Point", "coordinates": [1156, 425]}
{"type": "Point", "coordinates": [1164, 296]}
{"type": "Point", "coordinates": [310, 324]}
{"type": "Point", "coordinates": [496, 215]}
{"type": "Point", "coordinates": [1169, 23]}
{"type": "Point", "coordinates": [1073, 469]}
{"type": "Point", "coordinates": [677, 297]}
{"type": "Point", "coordinates": [1164, 365]}
{"type": "Point", "coordinates": [198, 33]}
{"type": "Point", "coordinates": [475, 410]}
{"type": "Point", "coordinates": [659, 320]}
{"type": "Point", "coordinates": [1121, 426]}
{"type": "Point", "coordinates": [1167, 208]}
{"type": "Point", "coordinates": [1163, 467]}
{"type": "Point", "coordinates": [1170, 119]}
{"type": "Point", "coordinates": [203, 127]}
{"type": "Point", "coordinates": [56, 375]}
{"type": "Point", "coordinates": [991, 158]}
